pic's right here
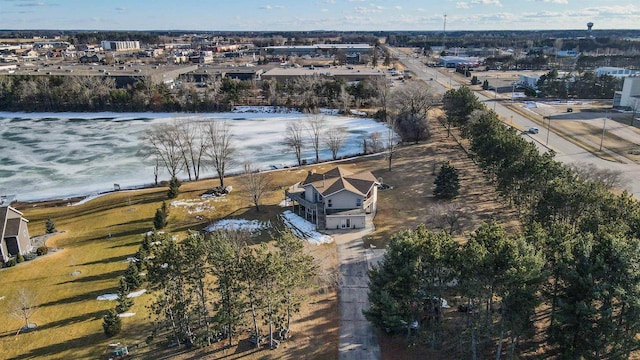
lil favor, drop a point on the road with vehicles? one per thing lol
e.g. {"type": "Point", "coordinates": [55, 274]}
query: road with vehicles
{"type": "Point", "coordinates": [566, 151]}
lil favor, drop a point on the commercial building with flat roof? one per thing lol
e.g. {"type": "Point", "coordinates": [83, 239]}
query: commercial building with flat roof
{"type": "Point", "coordinates": [319, 49]}
{"type": "Point", "coordinates": [120, 45]}
{"type": "Point", "coordinates": [285, 74]}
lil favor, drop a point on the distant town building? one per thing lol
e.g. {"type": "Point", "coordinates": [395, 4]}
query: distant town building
{"type": "Point", "coordinates": [319, 49]}
{"type": "Point", "coordinates": [455, 61]}
{"type": "Point", "coordinates": [567, 53]}
{"type": "Point", "coordinates": [120, 45]}
{"type": "Point", "coordinates": [630, 94]}
{"type": "Point", "coordinates": [530, 81]}
{"type": "Point", "coordinates": [283, 75]}
{"type": "Point", "coordinates": [615, 72]}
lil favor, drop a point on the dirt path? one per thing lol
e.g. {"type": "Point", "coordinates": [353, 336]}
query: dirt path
{"type": "Point", "coordinates": [357, 337]}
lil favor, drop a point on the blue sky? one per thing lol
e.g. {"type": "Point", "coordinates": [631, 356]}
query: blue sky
{"type": "Point", "coordinates": [318, 14]}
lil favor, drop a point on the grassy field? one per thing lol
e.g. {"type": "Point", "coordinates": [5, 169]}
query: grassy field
{"type": "Point", "coordinates": [98, 236]}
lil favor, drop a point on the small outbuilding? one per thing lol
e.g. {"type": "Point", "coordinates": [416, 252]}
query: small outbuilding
{"type": "Point", "coordinates": [14, 233]}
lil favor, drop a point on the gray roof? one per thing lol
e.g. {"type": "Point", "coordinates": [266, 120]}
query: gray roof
{"type": "Point", "coordinates": [339, 178]}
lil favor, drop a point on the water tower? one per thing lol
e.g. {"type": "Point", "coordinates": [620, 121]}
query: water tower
{"type": "Point", "coordinates": [589, 26]}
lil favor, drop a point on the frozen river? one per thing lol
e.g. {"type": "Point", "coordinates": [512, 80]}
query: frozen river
{"type": "Point", "coordinates": [59, 155]}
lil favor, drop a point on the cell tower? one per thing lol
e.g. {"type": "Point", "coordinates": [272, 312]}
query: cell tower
{"type": "Point", "coordinates": [589, 26]}
{"type": "Point", "coordinates": [444, 33]}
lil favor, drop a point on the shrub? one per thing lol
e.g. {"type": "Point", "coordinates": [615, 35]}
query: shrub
{"type": "Point", "coordinates": [50, 226]}
{"type": "Point", "coordinates": [42, 250]}
{"type": "Point", "coordinates": [19, 258]}
{"type": "Point", "coordinates": [10, 263]}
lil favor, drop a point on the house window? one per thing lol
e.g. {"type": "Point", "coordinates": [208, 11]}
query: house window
{"type": "Point", "coordinates": [329, 204]}
{"type": "Point", "coordinates": [358, 202]}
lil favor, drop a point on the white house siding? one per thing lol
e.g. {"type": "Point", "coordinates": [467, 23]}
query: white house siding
{"type": "Point", "coordinates": [335, 221]}
{"type": "Point", "coordinates": [343, 200]}
{"type": "Point", "coordinates": [630, 90]}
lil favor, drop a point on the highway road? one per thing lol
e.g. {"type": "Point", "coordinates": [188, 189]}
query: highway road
{"type": "Point", "coordinates": [566, 151]}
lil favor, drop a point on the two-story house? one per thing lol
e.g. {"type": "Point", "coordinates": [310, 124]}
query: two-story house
{"type": "Point", "coordinates": [14, 234]}
{"type": "Point", "coordinates": [337, 199]}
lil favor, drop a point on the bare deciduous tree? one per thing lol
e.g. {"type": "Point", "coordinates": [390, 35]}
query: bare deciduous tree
{"type": "Point", "coordinates": [192, 142]}
{"type": "Point", "coordinates": [305, 88]}
{"type": "Point", "coordinates": [220, 149]}
{"type": "Point", "coordinates": [610, 178]}
{"type": "Point", "coordinates": [375, 142]}
{"type": "Point", "coordinates": [334, 139]}
{"type": "Point", "coordinates": [411, 106]}
{"type": "Point", "coordinates": [447, 215]}
{"type": "Point", "coordinates": [294, 139]}
{"type": "Point", "coordinates": [162, 142]}
{"type": "Point", "coordinates": [256, 183]}
{"type": "Point", "coordinates": [392, 139]}
{"type": "Point", "coordinates": [383, 93]}
{"type": "Point", "coordinates": [315, 126]}
{"type": "Point", "coordinates": [24, 306]}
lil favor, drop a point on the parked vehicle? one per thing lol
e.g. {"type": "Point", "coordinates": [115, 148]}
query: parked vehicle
{"type": "Point", "coordinates": [534, 130]}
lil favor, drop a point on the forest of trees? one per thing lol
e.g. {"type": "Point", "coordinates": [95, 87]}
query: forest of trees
{"type": "Point", "coordinates": [217, 287]}
{"type": "Point", "coordinates": [93, 93]}
{"type": "Point", "coordinates": [569, 279]}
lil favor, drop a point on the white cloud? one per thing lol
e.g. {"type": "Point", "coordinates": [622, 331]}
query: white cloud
{"type": "Point", "coordinates": [266, 7]}
{"type": "Point", "coordinates": [462, 5]}
{"type": "Point", "coordinates": [486, 2]}
{"type": "Point", "coordinates": [554, 1]}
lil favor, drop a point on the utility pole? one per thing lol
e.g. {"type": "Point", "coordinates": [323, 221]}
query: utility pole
{"type": "Point", "coordinates": [444, 33]}
{"type": "Point", "coordinates": [604, 127]}
{"type": "Point", "coordinates": [548, 129]}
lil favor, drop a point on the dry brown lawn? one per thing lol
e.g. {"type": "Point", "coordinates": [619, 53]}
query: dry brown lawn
{"type": "Point", "coordinates": [99, 236]}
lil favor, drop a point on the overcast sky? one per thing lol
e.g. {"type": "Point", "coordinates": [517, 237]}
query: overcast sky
{"type": "Point", "coordinates": [318, 14]}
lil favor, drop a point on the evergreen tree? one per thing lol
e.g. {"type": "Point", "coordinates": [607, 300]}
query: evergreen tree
{"type": "Point", "coordinates": [50, 226]}
{"type": "Point", "coordinates": [160, 219]}
{"type": "Point", "coordinates": [298, 269]}
{"type": "Point", "coordinates": [225, 259]}
{"type": "Point", "coordinates": [132, 277]}
{"type": "Point", "coordinates": [174, 188]}
{"type": "Point", "coordinates": [485, 85]}
{"type": "Point", "coordinates": [447, 182]}
{"type": "Point", "coordinates": [111, 323]}
{"type": "Point", "coordinates": [124, 302]}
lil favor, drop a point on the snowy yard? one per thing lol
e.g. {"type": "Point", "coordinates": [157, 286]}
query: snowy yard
{"type": "Point", "coordinates": [304, 229]}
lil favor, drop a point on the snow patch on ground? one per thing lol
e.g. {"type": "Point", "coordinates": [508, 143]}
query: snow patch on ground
{"type": "Point", "coordinates": [358, 113]}
{"type": "Point", "coordinates": [137, 293]}
{"type": "Point", "coordinates": [88, 198]}
{"type": "Point", "coordinates": [113, 297]}
{"type": "Point", "coordinates": [1, 298]}
{"type": "Point", "coordinates": [127, 314]}
{"type": "Point", "coordinates": [194, 206]}
{"type": "Point", "coordinates": [238, 224]}
{"type": "Point", "coordinates": [530, 105]}
{"type": "Point", "coordinates": [304, 229]}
